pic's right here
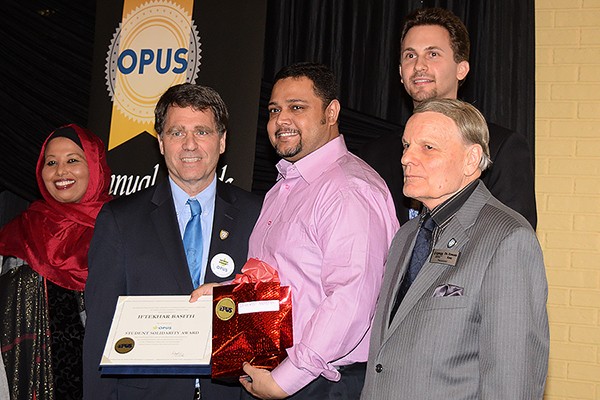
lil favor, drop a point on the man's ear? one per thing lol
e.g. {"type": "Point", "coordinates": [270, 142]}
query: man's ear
{"type": "Point", "coordinates": [222, 142]}
{"type": "Point", "coordinates": [160, 144]}
{"type": "Point", "coordinates": [332, 112]}
{"type": "Point", "coordinates": [473, 158]}
{"type": "Point", "coordinates": [462, 70]}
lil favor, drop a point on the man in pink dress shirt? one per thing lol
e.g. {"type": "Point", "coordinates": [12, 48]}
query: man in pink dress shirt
{"type": "Point", "coordinates": [326, 226]}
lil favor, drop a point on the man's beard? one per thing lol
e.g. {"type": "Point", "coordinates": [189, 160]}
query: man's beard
{"type": "Point", "coordinates": [294, 151]}
{"type": "Point", "coordinates": [288, 153]}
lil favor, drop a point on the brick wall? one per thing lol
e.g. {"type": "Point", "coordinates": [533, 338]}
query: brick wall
{"type": "Point", "coordinates": [568, 189]}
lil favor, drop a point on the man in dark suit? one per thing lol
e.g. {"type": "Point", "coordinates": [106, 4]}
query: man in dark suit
{"type": "Point", "coordinates": [137, 248]}
{"type": "Point", "coordinates": [433, 63]}
{"type": "Point", "coordinates": [462, 310]}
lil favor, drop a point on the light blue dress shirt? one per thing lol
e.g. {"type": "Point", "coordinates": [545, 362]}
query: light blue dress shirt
{"type": "Point", "coordinates": [207, 202]}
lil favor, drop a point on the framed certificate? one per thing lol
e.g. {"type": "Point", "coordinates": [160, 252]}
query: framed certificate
{"type": "Point", "coordinates": [159, 335]}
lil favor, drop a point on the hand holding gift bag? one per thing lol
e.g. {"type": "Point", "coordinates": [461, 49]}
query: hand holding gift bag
{"type": "Point", "coordinates": [252, 321]}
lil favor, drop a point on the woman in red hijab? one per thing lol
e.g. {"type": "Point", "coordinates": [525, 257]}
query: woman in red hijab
{"type": "Point", "coordinates": [43, 254]}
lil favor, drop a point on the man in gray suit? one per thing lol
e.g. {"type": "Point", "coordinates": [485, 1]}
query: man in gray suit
{"type": "Point", "coordinates": [469, 321]}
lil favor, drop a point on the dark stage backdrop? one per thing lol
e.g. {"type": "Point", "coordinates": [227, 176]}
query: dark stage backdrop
{"type": "Point", "coordinates": [47, 48]}
{"type": "Point", "coordinates": [46, 62]}
{"type": "Point", "coordinates": [360, 40]}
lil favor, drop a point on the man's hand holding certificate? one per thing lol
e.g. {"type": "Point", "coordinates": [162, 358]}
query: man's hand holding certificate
{"type": "Point", "coordinates": [247, 321]}
{"type": "Point", "coordinates": [159, 335]}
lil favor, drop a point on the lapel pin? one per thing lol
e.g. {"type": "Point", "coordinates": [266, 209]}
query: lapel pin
{"type": "Point", "coordinates": [223, 234]}
{"type": "Point", "coordinates": [451, 242]}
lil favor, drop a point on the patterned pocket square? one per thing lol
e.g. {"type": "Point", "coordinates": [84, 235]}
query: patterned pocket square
{"type": "Point", "coordinates": [447, 290]}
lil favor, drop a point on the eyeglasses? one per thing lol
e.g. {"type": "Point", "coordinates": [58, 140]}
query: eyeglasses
{"type": "Point", "coordinates": [177, 135]}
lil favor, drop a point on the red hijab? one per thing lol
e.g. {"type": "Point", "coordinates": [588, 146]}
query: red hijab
{"type": "Point", "coordinates": [53, 237]}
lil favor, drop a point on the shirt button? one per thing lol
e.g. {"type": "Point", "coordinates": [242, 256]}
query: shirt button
{"type": "Point", "coordinates": [269, 222]}
{"type": "Point", "coordinates": [378, 368]}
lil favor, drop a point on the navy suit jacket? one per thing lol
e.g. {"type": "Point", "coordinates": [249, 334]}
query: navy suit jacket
{"type": "Point", "coordinates": [137, 250]}
{"type": "Point", "coordinates": [510, 178]}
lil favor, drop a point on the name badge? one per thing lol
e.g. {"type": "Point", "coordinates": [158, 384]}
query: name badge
{"type": "Point", "coordinates": [446, 257]}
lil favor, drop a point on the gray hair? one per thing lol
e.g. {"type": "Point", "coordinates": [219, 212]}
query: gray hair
{"type": "Point", "coordinates": [470, 122]}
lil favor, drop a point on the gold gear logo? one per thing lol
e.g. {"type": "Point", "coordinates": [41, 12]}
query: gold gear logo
{"type": "Point", "coordinates": [156, 46]}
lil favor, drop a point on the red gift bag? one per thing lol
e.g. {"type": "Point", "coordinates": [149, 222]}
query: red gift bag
{"type": "Point", "coordinates": [252, 321]}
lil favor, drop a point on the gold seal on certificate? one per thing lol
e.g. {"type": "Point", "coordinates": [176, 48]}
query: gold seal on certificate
{"type": "Point", "coordinates": [159, 335]}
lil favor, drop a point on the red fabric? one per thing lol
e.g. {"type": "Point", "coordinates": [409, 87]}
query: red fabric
{"type": "Point", "coordinates": [53, 237]}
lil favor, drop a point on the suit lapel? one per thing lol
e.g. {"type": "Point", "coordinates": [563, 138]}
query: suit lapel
{"type": "Point", "coordinates": [167, 229]}
{"type": "Point", "coordinates": [400, 266]}
{"type": "Point", "coordinates": [453, 236]}
{"type": "Point", "coordinates": [430, 272]}
{"type": "Point", "coordinates": [224, 223]}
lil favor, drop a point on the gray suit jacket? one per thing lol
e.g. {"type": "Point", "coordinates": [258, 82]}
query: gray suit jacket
{"type": "Point", "coordinates": [489, 343]}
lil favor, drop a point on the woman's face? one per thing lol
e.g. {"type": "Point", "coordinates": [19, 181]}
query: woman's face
{"type": "Point", "coordinates": [65, 172]}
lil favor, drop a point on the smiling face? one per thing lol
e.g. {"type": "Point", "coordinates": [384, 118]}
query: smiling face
{"type": "Point", "coordinates": [191, 145]}
{"type": "Point", "coordinates": [65, 172]}
{"type": "Point", "coordinates": [298, 125]}
{"type": "Point", "coordinates": [427, 66]}
{"type": "Point", "coordinates": [436, 161]}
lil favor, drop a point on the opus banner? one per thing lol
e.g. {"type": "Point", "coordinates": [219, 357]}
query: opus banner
{"type": "Point", "coordinates": [144, 47]}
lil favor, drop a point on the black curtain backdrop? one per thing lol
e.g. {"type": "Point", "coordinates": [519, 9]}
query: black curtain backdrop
{"type": "Point", "coordinates": [46, 60]}
{"type": "Point", "coordinates": [360, 41]}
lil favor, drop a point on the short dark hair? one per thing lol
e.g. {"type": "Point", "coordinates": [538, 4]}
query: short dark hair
{"type": "Point", "coordinates": [322, 77]}
{"type": "Point", "coordinates": [459, 36]}
{"type": "Point", "coordinates": [198, 97]}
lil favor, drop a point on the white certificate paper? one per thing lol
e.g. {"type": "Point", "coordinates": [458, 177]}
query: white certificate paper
{"type": "Point", "coordinates": [159, 335]}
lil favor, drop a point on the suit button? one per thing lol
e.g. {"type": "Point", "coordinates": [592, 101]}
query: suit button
{"type": "Point", "coordinates": [378, 368]}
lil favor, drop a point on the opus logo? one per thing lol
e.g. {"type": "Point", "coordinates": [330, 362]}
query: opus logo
{"type": "Point", "coordinates": [124, 345]}
{"type": "Point", "coordinates": [156, 46]}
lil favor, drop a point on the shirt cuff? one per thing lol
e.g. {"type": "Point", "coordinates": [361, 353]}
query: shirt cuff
{"type": "Point", "coordinates": [291, 379]}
